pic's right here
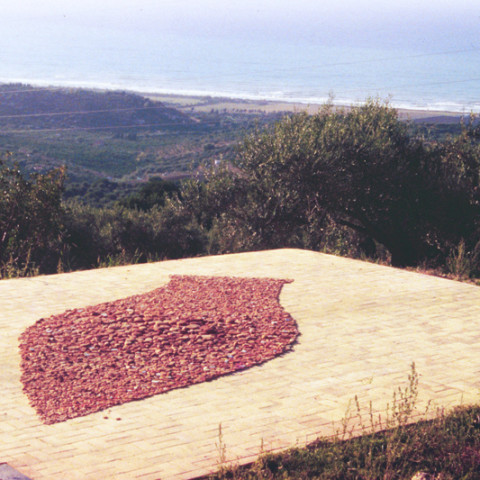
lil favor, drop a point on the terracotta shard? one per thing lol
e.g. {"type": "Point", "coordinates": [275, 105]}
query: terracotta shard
{"type": "Point", "coordinates": [191, 330]}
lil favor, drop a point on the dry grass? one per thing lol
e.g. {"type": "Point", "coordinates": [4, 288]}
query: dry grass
{"type": "Point", "coordinates": [398, 445]}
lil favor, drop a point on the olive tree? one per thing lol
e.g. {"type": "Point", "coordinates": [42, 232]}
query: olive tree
{"type": "Point", "coordinates": [30, 220]}
{"type": "Point", "coordinates": [360, 167]}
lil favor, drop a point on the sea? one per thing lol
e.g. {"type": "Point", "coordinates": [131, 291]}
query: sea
{"type": "Point", "coordinates": [292, 69]}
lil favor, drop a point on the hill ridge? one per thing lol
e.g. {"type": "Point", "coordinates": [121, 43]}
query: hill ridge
{"type": "Point", "coordinates": [22, 106]}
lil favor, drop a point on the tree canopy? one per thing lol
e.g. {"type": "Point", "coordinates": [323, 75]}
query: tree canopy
{"type": "Point", "coordinates": [31, 217]}
{"type": "Point", "coordinates": [153, 192]}
{"type": "Point", "coordinates": [363, 169]}
{"type": "Point", "coordinates": [343, 181]}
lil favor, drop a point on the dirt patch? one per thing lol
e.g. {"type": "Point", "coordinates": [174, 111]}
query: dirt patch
{"type": "Point", "coordinates": [191, 330]}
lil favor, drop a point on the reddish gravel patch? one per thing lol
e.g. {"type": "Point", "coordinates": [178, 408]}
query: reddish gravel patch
{"type": "Point", "coordinates": [192, 330]}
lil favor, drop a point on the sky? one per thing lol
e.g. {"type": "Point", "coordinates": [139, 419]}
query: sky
{"type": "Point", "coordinates": [235, 10]}
{"type": "Point", "coordinates": [446, 21]}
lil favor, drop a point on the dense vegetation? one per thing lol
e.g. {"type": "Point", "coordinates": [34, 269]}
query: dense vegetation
{"type": "Point", "coordinates": [349, 182]}
{"type": "Point", "coordinates": [31, 221]}
{"type": "Point", "coordinates": [358, 182]}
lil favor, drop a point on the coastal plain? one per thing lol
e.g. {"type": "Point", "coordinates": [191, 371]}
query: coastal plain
{"type": "Point", "coordinates": [193, 103]}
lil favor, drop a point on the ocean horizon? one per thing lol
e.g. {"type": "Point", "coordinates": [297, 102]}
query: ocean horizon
{"type": "Point", "coordinates": [444, 76]}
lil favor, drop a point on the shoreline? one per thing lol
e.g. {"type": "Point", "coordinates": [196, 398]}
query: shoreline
{"type": "Point", "coordinates": [206, 103]}
{"type": "Point", "coordinates": [193, 102]}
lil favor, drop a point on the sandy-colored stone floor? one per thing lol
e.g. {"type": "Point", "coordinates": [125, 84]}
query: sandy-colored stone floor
{"type": "Point", "coordinates": [362, 325]}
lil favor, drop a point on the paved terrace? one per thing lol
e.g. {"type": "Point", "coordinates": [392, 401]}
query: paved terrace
{"type": "Point", "coordinates": [361, 327]}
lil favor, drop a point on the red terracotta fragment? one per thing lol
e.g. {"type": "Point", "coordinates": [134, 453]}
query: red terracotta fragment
{"type": "Point", "coordinates": [192, 330]}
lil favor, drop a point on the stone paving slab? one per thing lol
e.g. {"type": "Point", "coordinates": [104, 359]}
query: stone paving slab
{"type": "Point", "coordinates": [361, 324]}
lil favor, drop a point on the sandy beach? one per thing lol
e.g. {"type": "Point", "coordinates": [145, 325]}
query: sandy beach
{"type": "Point", "coordinates": [189, 103]}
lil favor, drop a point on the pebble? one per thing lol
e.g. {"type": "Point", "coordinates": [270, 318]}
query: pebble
{"type": "Point", "coordinates": [172, 337]}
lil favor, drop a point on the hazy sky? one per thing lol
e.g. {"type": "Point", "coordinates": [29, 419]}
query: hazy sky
{"type": "Point", "coordinates": [236, 9]}
{"type": "Point", "coordinates": [369, 21]}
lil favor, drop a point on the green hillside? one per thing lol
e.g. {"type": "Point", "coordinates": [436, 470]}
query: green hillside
{"type": "Point", "coordinates": [25, 107]}
{"type": "Point", "coordinates": [119, 137]}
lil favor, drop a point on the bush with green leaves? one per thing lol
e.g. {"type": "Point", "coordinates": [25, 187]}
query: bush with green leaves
{"type": "Point", "coordinates": [153, 193]}
{"type": "Point", "coordinates": [31, 215]}
{"type": "Point", "coordinates": [117, 235]}
{"type": "Point", "coordinates": [359, 169]}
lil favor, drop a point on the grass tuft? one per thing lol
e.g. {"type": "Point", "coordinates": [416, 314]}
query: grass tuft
{"type": "Point", "coordinates": [400, 446]}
